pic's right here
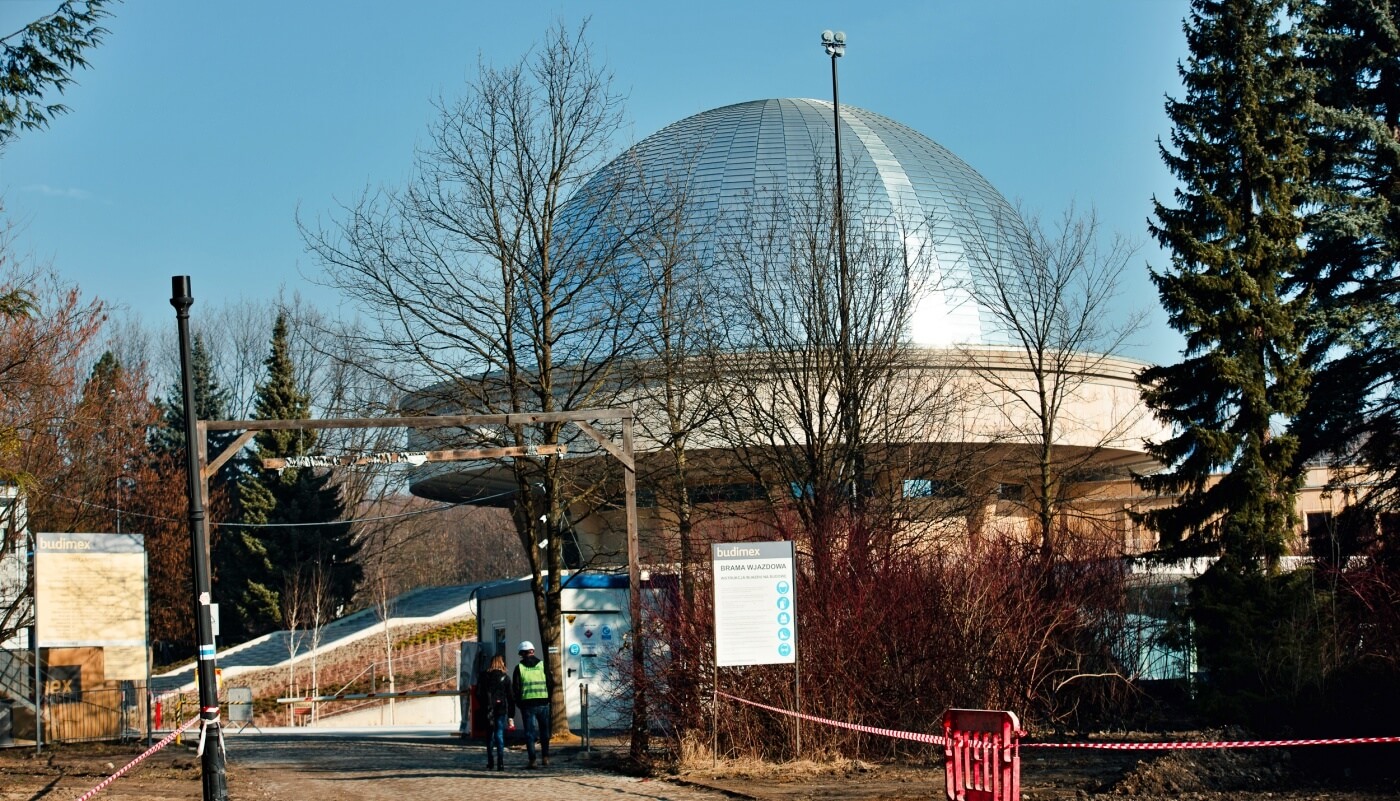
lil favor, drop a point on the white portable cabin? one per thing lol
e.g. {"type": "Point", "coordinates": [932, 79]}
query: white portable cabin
{"type": "Point", "coordinates": [596, 640]}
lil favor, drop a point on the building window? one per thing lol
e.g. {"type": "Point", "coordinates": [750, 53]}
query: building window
{"type": "Point", "coordinates": [727, 493]}
{"type": "Point", "coordinates": [931, 488]}
{"type": "Point", "coordinates": [1317, 527]}
{"type": "Point", "coordinates": [1011, 492]}
{"type": "Point", "coordinates": [918, 488]}
{"type": "Point", "coordinates": [1319, 524]}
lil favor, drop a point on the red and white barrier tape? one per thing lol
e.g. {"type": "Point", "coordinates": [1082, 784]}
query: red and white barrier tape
{"type": "Point", "coordinates": [133, 763]}
{"type": "Point", "coordinates": [1177, 746]}
{"type": "Point", "coordinates": [933, 739]}
{"type": "Point", "coordinates": [1182, 746]}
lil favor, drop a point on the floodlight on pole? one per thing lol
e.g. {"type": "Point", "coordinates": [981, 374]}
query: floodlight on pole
{"type": "Point", "coordinates": [835, 43]}
{"type": "Point", "coordinates": [835, 46]}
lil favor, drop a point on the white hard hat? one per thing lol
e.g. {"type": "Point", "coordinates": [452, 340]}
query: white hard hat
{"type": "Point", "coordinates": [525, 645]}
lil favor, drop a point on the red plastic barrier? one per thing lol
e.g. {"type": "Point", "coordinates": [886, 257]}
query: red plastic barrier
{"type": "Point", "coordinates": [981, 755]}
{"type": "Point", "coordinates": [981, 747]}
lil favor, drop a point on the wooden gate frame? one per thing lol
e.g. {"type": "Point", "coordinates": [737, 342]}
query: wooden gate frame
{"type": "Point", "coordinates": [582, 418]}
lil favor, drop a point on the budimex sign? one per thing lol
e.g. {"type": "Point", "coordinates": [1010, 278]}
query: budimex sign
{"type": "Point", "coordinates": [755, 604]}
{"type": "Point", "coordinates": [90, 590]}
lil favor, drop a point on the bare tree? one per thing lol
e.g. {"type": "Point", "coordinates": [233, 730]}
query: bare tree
{"type": "Point", "coordinates": [318, 602]}
{"type": "Point", "coordinates": [48, 333]}
{"type": "Point", "coordinates": [384, 605]}
{"type": "Point", "coordinates": [831, 390]}
{"type": "Point", "coordinates": [131, 342]}
{"type": "Point", "coordinates": [471, 276]}
{"type": "Point", "coordinates": [676, 375]}
{"type": "Point", "coordinates": [1053, 295]}
{"type": "Point", "coordinates": [235, 333]}
{"type": "Point", "coordinates": [293, 602]}
{"type": "Point", "coordinates": [417, 543]}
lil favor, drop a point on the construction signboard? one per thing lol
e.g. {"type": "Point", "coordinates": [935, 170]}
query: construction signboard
{"type": "Point", "coordinates": [755, 616]}
{"type": "Point", "coordinates": [90, 590]}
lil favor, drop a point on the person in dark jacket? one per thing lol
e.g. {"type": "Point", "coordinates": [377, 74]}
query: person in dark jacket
{"type": "Point", "coordinates": [532, 696]}
{"type": "Point", "coordinates": [494, 690]}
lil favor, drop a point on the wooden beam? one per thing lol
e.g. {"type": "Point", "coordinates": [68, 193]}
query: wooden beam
{"type": "Point", "coordinates": [408, 457]}
{"type": "Point", "coordinates": [213, 467]}
{"type": "Point", "coordinates": [607, 443]}
{"type": "Point", "coordinates": [421, 421]}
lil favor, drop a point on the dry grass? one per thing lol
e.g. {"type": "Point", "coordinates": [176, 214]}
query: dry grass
{"type": "Point", "coordinates": [695, 759]}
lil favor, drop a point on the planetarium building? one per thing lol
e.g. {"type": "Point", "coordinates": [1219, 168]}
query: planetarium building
{"type": "Point", "coordinates": [744, 170]}
{"type": "Point", "coordinates": [918, 228]}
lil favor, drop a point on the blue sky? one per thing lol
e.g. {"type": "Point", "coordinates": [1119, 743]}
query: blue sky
{"type": "Point", "coordinates": [201, 129]}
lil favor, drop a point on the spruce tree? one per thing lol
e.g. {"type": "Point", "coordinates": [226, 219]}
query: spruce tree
{"type": "Point", "coordinates": [1352, 49]}
{"type": "Point", "coordinates": [101, 387]}
{"type": "Point", "coordinates": [39, 58]}
{"type": "Point", "coordinates": [103, 445]}
{"type": "Point", "coordinates": [1238, 150]}
{"type": "Point", "coordinates": [241, 567]}
{"type": "Point", "coordinates": [298, 505]}
{"type": "Point", "coordinates": [210, 403]}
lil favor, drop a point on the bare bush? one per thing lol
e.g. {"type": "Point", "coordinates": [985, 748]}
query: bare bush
{"type": "Point", "coordinates": [891, 636]}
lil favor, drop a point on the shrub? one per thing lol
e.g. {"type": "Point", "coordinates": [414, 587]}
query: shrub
{"type": "Point", "coordinates": [893, 633]}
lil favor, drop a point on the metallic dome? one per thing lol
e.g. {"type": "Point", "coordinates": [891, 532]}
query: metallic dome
{"type": "Point", "coordinates": [724, 158]}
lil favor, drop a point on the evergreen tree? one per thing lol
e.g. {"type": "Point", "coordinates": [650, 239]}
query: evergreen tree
{"type": "Point", "coordinates": [1352, 49]}
{"type": "Point", "coordinates": [298, 505]}
{"type": "Point", "coordinates": [95, 410]}
{"type": "Point", "coordinates": [103, 445]}
{"type": "Point", "coordinates": [40, 57]}
{"type": "Point", "coordinates": [210, 400]}
{"type": "Point", "coordinates": [1238, 150]}
{"type": "Point", "coordinates": [242, 569]}
{"type": "Point", "coordinates": [210, 403]}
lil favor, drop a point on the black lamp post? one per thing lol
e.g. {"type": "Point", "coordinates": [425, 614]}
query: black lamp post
{"type": "Point", "coordinates": [213, 775]}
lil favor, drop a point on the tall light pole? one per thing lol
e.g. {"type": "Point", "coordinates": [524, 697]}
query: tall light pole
{"type": "Point", "coordinates": [211, 740]}
{"type": "Point", "coordinates": [835, 46]}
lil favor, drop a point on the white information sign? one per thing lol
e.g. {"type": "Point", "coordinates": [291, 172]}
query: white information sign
{"type": "Point", "coordinates": [755, 611]}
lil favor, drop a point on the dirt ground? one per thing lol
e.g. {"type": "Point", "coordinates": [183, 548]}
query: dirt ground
{"type": "Point", "coordinates": [266, 772]}
{"type": "Point", "coordinates": [1064, 776]}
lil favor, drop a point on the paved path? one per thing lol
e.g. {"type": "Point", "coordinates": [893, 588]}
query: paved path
{"type": "Point", "coordinates": [404, 767]}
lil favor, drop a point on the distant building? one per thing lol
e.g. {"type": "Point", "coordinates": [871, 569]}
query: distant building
{"type": "Point", "coordinates": [15, 600]}
{"type": "Point", "coordinates": [772, 156]}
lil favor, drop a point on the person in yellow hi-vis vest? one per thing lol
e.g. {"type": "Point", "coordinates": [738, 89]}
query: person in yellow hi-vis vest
{"type": "Point", "coordinates": [532, 697]}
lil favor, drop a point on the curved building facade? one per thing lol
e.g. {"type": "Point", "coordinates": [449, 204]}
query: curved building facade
{"type": "Point", "coordinates": [735, 164]}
